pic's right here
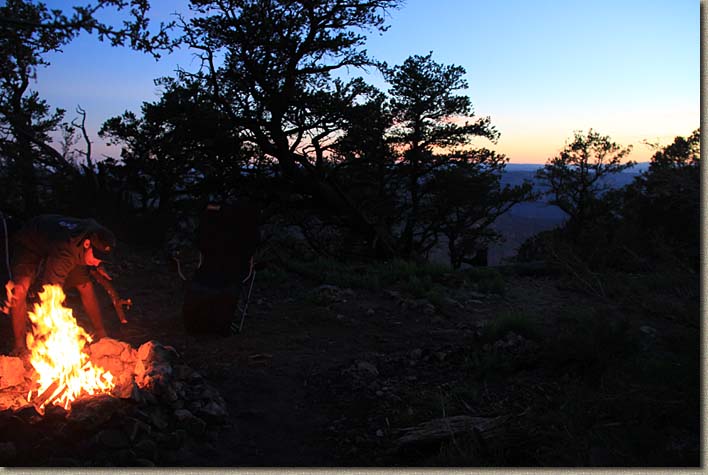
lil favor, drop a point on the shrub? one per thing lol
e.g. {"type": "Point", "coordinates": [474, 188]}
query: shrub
{"type": "Point", "coordinates": [587, 341]}
{"type": "Point", "coordinates": [398, 270]}
{"type": "Point", "coordinates": [486, 280]}
{"type": "Point", "coordinates": [272, 275]}
{"type": "Point", "coordinates": [511, 321]}
{"type": "Point", "coordinates": [414, 278]}
{"type": "Point", "coordinates": [494, 285]}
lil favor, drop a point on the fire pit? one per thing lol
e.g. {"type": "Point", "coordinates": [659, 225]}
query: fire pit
{"type": "Point", "coordinates": [123, 406]}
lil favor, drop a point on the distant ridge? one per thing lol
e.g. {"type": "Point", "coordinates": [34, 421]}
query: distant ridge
{"type": "Point", "coordinates": [532, 167]}
{"type": "Point", "coordinates": [523, 167]}
{"type": "Point", "coordinates": [524, 220]}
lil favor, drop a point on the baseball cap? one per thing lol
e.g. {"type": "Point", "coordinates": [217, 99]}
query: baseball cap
{"type": "Point", "coordinates": [102, 242]}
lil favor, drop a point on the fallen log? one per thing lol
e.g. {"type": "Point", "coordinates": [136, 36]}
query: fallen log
{"type": "Point", "coordinates": [439, 430]}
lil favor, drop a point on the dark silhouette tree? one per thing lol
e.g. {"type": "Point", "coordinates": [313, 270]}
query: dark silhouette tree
{"type": "Point", "coordinates": [466, 199]}
{"type": "Point", "coordinates": [356, 158]}
{"type": "Point", "coordinates": [30, 30]}
{"type": "Point", "coordinates": [365, 163]}
{"type": "Point", "coordinates": [181, 149]}
{"type": "Point", "coordinates": [575, 176]}
{"type": "Point", "coordinates": [649, 225]}
{"type": "Point", "coordinates": [278, 57]}
{"type": "Point", "coordinates": [660, 210]}
{"type": "Point", "coordinates": [450, 187]}
{"type": "Point", "coordinates": [683, 154]}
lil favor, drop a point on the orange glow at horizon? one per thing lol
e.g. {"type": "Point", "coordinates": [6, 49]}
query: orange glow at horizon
{"type": "Point", "coordinates": [539, 143]}
{"type": "Point", "coordinates": [538, 149]}
{"type": "Point", "coordinates": [536, 141]}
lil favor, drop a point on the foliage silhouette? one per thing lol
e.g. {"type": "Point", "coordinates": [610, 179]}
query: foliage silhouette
{"type": "Point", "coordinates": [575, 176]}
{"type": "Point", "coordinates": [451, 187]}
{"type": "Point", "coordinates": [30, 31]}
{"type": "Point", "coordinates": [275, 82]}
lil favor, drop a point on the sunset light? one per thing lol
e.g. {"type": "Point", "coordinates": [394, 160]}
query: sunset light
{"type": "Point", "coordinates": [477, 227]}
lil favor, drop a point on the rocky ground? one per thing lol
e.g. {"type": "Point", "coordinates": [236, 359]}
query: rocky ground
{"type": "Point", "coordinates": [538, 374]}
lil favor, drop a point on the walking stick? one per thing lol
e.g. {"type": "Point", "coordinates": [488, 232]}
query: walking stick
{"type": "Point", "coordinates": [252, 276]}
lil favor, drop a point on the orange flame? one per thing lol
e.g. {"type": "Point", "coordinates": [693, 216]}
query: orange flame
{"type": "Point", "coordinates": [9, 297]}
{"type": "Point", "coordinates": [58, 356]}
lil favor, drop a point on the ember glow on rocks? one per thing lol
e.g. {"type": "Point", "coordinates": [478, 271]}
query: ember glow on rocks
{"type": "Point", "coordinates": [64, 371]}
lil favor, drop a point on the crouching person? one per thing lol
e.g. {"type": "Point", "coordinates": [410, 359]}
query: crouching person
{"type": "Point", "coordinates": [54, 249]}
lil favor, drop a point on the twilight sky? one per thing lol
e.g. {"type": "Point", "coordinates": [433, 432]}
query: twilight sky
{"type": "Point", "coordinates": [540, 69]}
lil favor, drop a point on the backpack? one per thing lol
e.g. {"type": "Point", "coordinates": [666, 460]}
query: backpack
{"type": "Point", "coordinates": [227, 238]}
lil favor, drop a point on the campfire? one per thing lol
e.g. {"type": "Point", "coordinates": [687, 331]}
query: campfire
{"type": "Point", "coordinates": [123, 405]}
{"type": "Point", "coordinates": [58, 355]}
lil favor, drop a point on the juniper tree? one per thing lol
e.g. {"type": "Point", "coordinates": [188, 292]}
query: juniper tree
{"type": "Point", "coordinates": [29, 31]}
{"type": "Point", "coordinates": [575, 177]}
{"type": "Point", "coordinates": [660, 210]}
{"type": "Point", "coordinates": [278, 60]}
{"type": "Point", "coordinates": [452, 187]}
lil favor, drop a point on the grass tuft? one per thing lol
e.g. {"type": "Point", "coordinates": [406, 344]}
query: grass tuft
{"type": "Point", "coordinates": [511, 321]}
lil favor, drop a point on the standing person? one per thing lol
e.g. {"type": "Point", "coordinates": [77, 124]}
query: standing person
{"type": "Point", "coordinates": [54, 249]}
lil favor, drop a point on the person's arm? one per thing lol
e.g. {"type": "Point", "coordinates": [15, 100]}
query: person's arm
{"type": "Point", "coordinates": [102, 278]}
{"type": "Point", "coordinates": [93, 309]}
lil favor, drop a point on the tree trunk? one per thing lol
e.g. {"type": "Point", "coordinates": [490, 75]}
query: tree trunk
{"type": "Point", "coordinates": [331, 196]}
{"type": "Point", "coordinates": [27, 176]}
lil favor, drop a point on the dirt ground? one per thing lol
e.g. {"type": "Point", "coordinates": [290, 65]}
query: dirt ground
{"type": "Point", "coordinates": [330, 377]}
{"type": "Point", "coordinates": [274, 376]}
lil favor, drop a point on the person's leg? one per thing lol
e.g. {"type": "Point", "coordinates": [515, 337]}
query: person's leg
{"type": "Point", "coordinates": [18, 311]}
{"type": "Point", "coordinates": [90, 303]}
{"type": "Point", "coordinates": [25, 265]}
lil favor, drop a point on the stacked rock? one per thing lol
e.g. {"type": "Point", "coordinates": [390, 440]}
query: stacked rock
{"type": "Point", "coordinates": [161, 412]}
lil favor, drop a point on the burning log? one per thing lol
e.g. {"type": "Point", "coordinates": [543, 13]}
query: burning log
{"type": "Point", "coordinates": [118, 302]}
{"type": "Point", "coordinates": [53, 392]}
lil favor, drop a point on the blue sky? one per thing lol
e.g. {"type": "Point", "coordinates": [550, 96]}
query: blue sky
{"type": "Point", "coordinates": [540, 69]}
